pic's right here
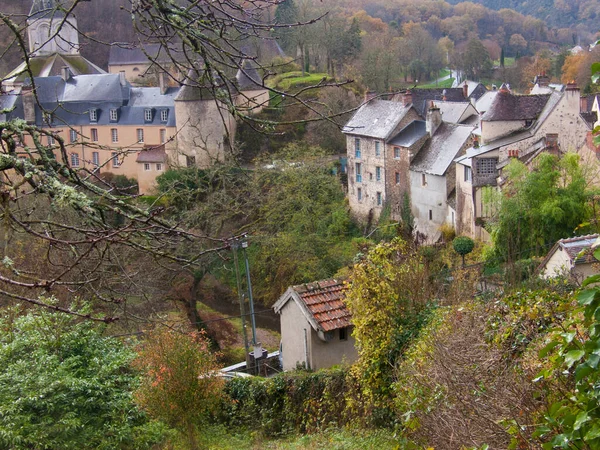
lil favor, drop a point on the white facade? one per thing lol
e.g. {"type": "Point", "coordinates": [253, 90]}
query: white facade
{"type": "Point", "coordinates": [429, 203]}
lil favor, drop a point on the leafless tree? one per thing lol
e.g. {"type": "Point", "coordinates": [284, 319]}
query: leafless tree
{"type": "Point", "coordinates": [66, 234]}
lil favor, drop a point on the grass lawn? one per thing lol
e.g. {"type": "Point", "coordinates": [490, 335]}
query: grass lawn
{"type": "Point", "coordinates": [508, 61]}
{"type": "Point", "coordinates": [442, 84]}
{"type": "Point", "coordinates": [216, 437]}
{"type": "Point", "coordinates": [291, 79]}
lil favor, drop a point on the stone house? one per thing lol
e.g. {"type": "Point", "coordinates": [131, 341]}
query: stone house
{"type": "Point", "coordinates": [370, 136]}
{"type": "Point", "coordinates": [571, 257]}
{"type": "Point", "coordinates": [316, 326]}
{"type": "Point", "coordinates": [515, 126]}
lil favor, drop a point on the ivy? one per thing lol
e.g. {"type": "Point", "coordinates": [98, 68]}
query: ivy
{"type": "Point", "coordinates": [573, 353]}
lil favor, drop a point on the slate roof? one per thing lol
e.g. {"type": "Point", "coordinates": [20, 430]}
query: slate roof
{"type": "Point", "coordinates": [474, 89]}
{"type": "Point", "coordinates": [51, 65]}
{"type": "Point", "coordinates": [438, 152]}
{"type": "Point", "coordinates": [376, 119]}
{"type": "Point", "coordinates": [154, 154]}
{"type": "Point", "coordinates": [248, 78]}
{"type": "Point", "coordinates": [70, 101]}
{"type": "Point", "coordinates": [452, 112]}
{"type": "Point", "coordinates": [41, 8]}
{"type": "Point", "coordinates": [508, 106]}
{"type": "Point", "coordinates": [421, 98]}
{"type": "Point", "coordinates": [485, 101]}
{"type": "Point", "coordinates": [13, 104]}
{"type": "Point", "coordinates": [410, 134]}
{"type": "Point", "coordinates": [590, 118]}
{"type": "Point", "coordinates": [322, 302]}
{"type": "Point", "coordinates": [134, 54]}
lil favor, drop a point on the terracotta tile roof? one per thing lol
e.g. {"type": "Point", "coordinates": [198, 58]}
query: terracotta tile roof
{"type": "Point", "coordinates": [507, 106]}
{"type": "Point", "coordinates": [154, 154]}
{"type": "Point", "coordinates": [325, 301]}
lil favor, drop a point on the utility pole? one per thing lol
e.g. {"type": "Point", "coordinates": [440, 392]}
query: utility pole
{"type": "Point", "coordinates": [258, 352]}
{"type": "Point", "coordinates": [234, 247]}
{"type": "Point", "coordinates": [236, 244]}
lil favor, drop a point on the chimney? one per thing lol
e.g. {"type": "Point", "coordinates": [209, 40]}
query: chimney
{"type": "Point", "coordinates": [163, 82]}
{"type": "Point", "coordinates": [573, 97]}
{"type": "Point", "coordinates": [433, 120]}
{"type": "Point", "coordinates": [407, 98]}
{"type": "Point", "coordinates": [28, 104]}
{"type": "Point", "coordinates": [465, 90]}
{"type": "Point", "coordinates": [65, 73]}
{"type": "Point", "coordinates": [475, 142]}
{"type": "Point", "coordinates": [513, 153]}
{"type": "Point", "coordinates": [122, 78]}
{"type": "Point", "coordinates": [444, 95]}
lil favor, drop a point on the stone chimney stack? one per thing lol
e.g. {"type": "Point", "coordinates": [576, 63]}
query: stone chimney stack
{"type": "Point", "coordinates": [28, 104]}
{"type": "Point", "coordinates": [573, 97]}
{"type": "Point", "coordinates": [122, 78]}
{"type": "Point", "coordinates": [407, 98]}
{"type": "Point", "coordinates": [433, 120]}
{"type": "Point", "coordinates": [163, 82]}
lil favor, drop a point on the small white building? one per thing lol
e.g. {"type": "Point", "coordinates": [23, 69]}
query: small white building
{"type": "Point", "coordinates": [571, 257]}
{"type": "Point", "coordinates": [316, 327]}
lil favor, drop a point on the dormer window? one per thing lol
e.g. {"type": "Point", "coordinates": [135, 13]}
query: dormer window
{"type": "Point", "coordinates": [148, 115]}
{"type": "Point", "coordinates": [94, 115]}
{"type": "Point", "coordinates": [114, 114]}
{"type": "Point", "coordinates": [164, 115]}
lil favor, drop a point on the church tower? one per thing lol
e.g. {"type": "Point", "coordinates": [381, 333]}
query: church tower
{"type": "Point", "coordinates": [48, 30]}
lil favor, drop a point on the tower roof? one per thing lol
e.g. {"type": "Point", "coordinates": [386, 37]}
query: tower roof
{"type": "Point", "coordinates": [41, 8]}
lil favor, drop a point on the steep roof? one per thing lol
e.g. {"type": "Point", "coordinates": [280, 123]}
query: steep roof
{"type": "Point", "coordinates": [322, 303]}
{"type": "Point", "coordinates": [453, 112]}
{"type": "Point", "coordinates": [41, 8]}
{"type": "Point", "coordinates": [438, 152]}
{"type": "Point", "coordinates": [485, 101]}
{"type": "Point", "coordinates": [508, 106]}
{"type": "Point", "coordinates": [248, 78]}
{"type": "Point", "coordinates": [421, 98]}
{"type": "Point", "coordinates": [410, 134]}
{"type": "Point", "coordinates": [51, 65]}
{"type": "Point", "coordinates": [70, 101]}
{"type": "Point", "coordinates": [376, 119]}
{"type": "Point", "coordinates": [474, 89]}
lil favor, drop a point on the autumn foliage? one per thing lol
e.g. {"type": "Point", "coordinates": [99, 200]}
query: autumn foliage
{"type": "Point", "coordinates": [179, 386]}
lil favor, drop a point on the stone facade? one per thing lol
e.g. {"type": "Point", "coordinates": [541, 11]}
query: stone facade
{"type": "Point", "coordinates": [368, 192]}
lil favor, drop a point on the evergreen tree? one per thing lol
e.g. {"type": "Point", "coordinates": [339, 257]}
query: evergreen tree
{"type": "Point", "coordinates": [286, 13]}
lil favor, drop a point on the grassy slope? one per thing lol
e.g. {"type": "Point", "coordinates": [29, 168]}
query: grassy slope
{"type": "Point", "coordinates": [220, 438]}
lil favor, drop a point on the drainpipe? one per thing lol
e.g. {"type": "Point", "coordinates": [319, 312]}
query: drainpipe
{"type": "Point", "coordinates": [306, 362]}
